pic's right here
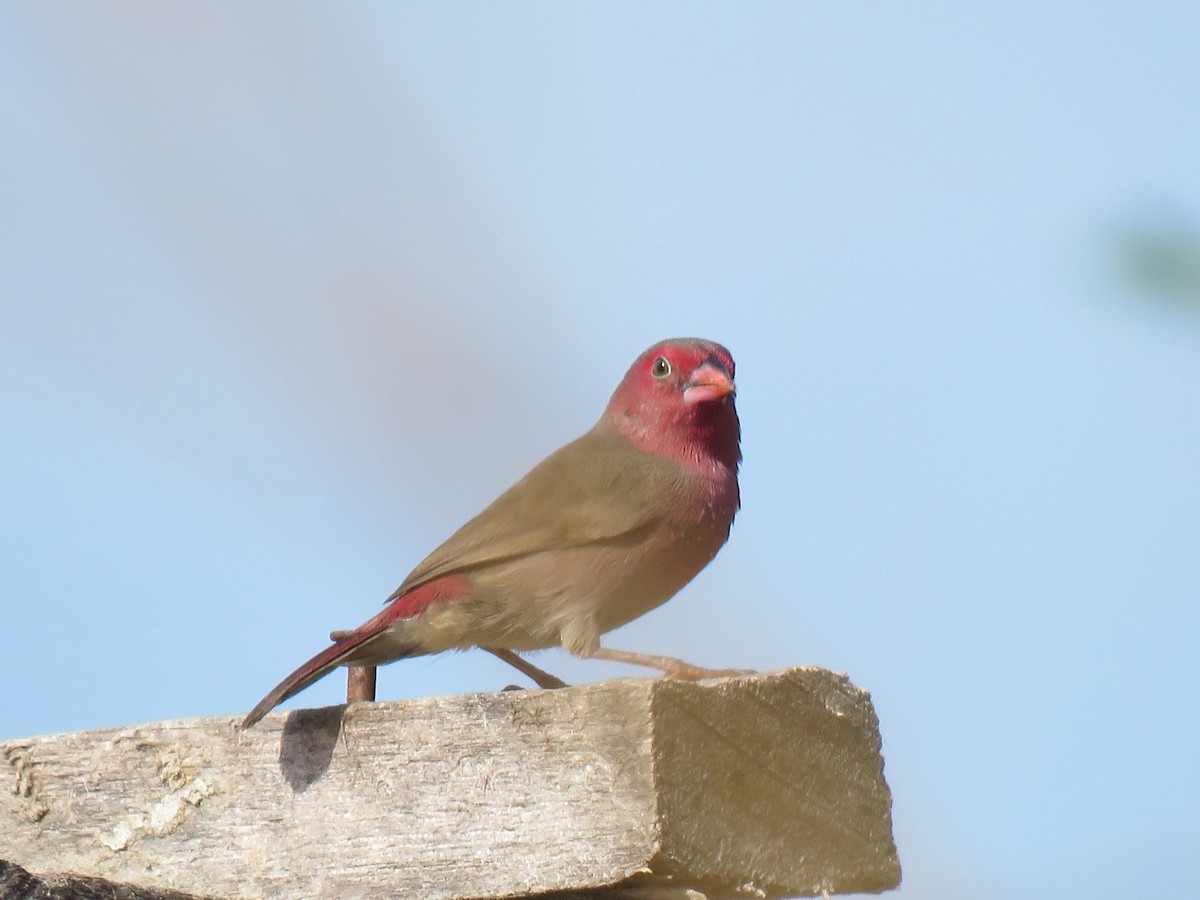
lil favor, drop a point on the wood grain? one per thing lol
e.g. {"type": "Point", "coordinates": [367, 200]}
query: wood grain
{"type": "Point", "coordinates": [768, 783]}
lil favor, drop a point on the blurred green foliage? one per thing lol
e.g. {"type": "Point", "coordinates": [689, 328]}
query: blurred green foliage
{"type": "Point", "coordinates": [1161, 259]}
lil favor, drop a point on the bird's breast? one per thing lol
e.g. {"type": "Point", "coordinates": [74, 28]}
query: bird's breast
{"type": "Point", "coordinates": [531, 601]}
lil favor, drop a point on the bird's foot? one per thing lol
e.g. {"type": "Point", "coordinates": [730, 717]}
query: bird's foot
{"type": "Point", "coordinates": [682, 671]}
{"type": "Point", "coordinates": [668, 665]}
{"type": "Point", "coordinates": [540, 677]}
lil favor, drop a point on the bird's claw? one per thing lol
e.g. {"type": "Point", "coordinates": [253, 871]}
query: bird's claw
{"type": "Point", "coordinates": [687, 672]}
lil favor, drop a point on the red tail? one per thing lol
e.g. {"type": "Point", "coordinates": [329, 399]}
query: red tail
{"type": "Point", "coordinates": [312, 671]}
{"type": "Point", "coordinates": [346, 644]}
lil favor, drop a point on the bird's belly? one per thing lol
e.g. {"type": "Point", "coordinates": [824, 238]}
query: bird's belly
{"type": "Point", "coordinates": [537, 601]}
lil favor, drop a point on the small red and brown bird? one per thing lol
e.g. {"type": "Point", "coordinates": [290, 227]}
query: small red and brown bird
{"type": "Point", "coordinates": [601, 531]}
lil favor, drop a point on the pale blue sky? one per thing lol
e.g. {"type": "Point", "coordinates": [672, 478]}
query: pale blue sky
{"type": "Point", "coordinates": [290, 292]}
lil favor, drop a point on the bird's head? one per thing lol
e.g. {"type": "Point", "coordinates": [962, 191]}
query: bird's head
{"type": "Point", "coordinates": [678, 399]}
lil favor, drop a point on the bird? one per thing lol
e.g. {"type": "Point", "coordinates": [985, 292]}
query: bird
{"type": "Point", "coordinates": [603, 530]}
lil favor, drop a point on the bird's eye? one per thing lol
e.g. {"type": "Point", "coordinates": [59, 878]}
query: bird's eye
{"type": "Point", "coordinates": [661, 368]}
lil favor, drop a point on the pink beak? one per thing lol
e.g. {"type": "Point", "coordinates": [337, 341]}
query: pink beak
{"type": "Point", "coordinates": [708, 382]}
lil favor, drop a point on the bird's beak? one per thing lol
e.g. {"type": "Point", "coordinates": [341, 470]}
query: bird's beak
{"type": "Point", "coordinates": [708, 382]}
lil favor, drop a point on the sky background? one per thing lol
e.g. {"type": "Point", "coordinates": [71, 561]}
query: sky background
{"type": "Point", "coordinates": [288, 292]}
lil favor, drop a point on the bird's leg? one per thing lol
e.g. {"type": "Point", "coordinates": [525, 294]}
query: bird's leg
{"type": "Point", "coordinates": [671, 667]}
{"type": "Point", "coordinates": [540, 677]}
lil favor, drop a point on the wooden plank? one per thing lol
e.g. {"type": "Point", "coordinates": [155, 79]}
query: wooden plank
{"type": "Point", "coordinates": [18, 884]}
{"type": "Point", "coordinates": [770, 783]}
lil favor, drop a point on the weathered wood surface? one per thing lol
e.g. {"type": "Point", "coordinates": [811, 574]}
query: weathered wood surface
{"type": "Point", "coordinates": [770, 783]}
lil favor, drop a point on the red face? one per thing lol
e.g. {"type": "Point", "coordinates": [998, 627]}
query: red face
{"type": "Point", "coordinates": [678, 392]}
{"type": "Point", "coordinates": [686, 370]}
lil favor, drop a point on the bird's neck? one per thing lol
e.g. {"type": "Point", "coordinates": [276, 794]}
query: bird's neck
{"type": "Point", "coordinates": [704, 438]}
